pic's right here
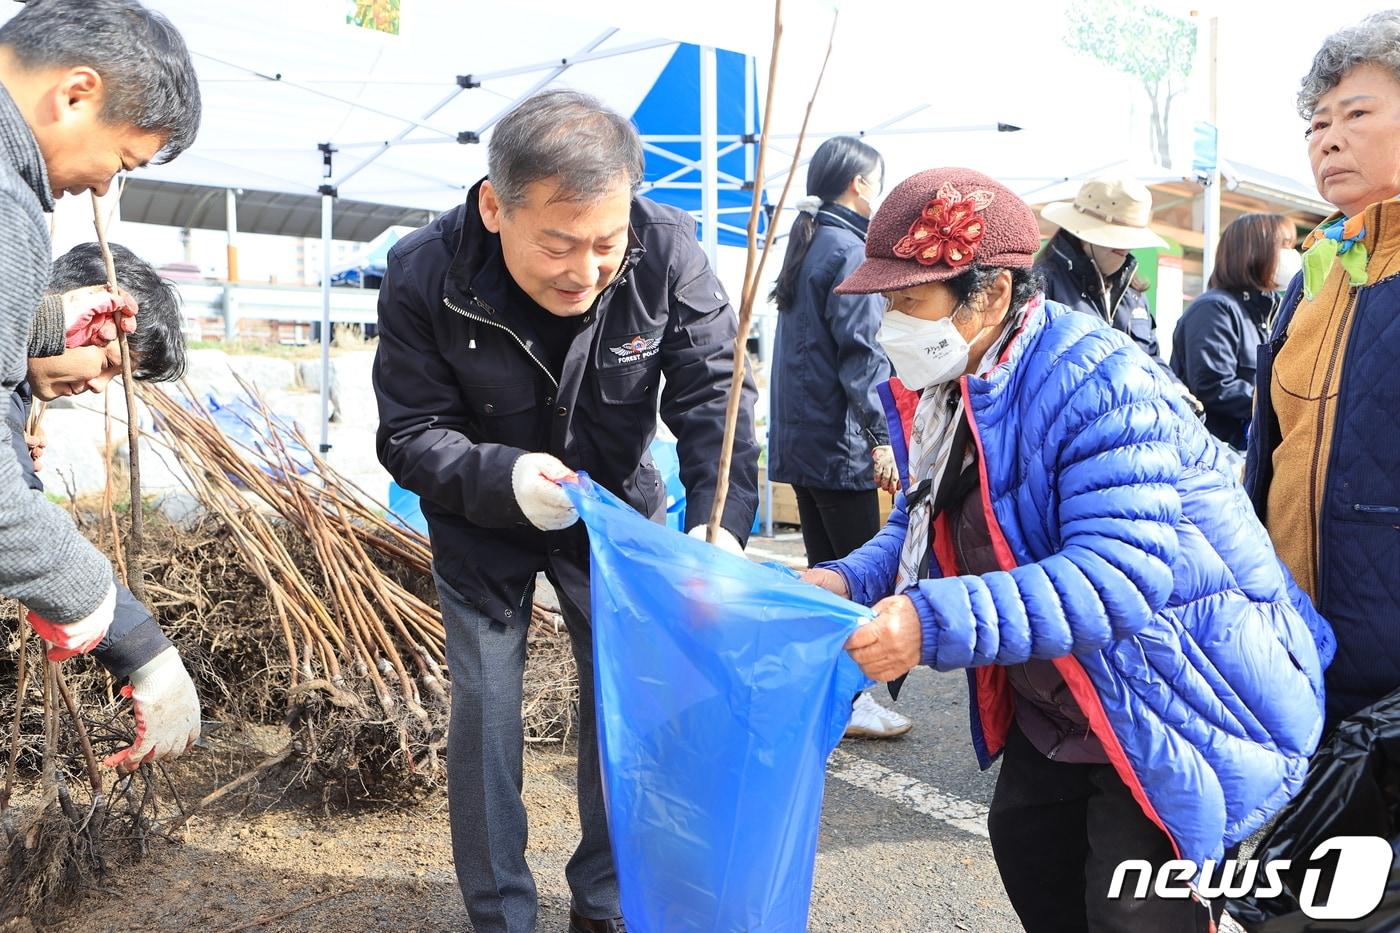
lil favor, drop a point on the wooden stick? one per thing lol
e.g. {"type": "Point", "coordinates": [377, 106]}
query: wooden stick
{"type": "Point", "coordinates": [23, 662]}
{"type": "Point", "coordinates": [36, 416]}
{"type": "Point", "coordinates": [753, 272]}
{"type": "Point", "coordinates": [108, 496]}
{"type": "Point", "coordinates": [50, 779]}
{"type": "Point", "coordinates": [268, 918]}
{"type": "Point", "coordinates": [267, 764]}
{"type": "Point", "coordinates": [135, 539]}
{"type": "Point", "coordinates": [94, 776]}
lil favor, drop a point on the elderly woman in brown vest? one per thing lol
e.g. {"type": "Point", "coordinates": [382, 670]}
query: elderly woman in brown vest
{"type": "Point", "coordinates": [1324, 454]}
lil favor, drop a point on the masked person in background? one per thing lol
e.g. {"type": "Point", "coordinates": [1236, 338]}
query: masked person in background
{"type": "Point", "coordinates": [134, 648]}
{"type": "Point", "coordinates": [1215, 345]}
{"type": "Point", "coordinates": [1072, 537]}
{"type": "Point", "coordinates": [827, 434]}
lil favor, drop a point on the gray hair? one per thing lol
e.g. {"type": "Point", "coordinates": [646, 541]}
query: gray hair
{"type": "Point", "coordinates": [569, 136]}
{"type": "Point", "coordinates": [148, 79]}
{"type": "Point", "coordinates": [1375, 40]}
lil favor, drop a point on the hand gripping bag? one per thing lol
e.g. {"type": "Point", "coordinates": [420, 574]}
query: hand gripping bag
{"type": "Point", "coordinates": [722, 687]}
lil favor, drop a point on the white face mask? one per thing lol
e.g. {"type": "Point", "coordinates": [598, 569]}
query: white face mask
{"type": "Point", "coordinates": [873, 199]}
{"type": "Point", "coordinates": [1290, 263]}
{"type": "Point", "coordinates": [923, 353]}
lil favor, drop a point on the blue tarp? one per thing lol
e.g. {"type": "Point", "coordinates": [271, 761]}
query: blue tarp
{"type": "Point", "coordinates": [722, 687]}
{"type": "Point", "coordinates": [241, 421]}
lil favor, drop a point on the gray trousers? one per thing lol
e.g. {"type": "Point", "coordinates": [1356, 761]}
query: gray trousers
{"type": "Point", "coordinates": [485, 742]}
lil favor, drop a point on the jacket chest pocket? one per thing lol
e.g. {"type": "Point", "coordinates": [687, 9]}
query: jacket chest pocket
{"type": "Point", "coordinates": [633, 385]}
{"type": "Point", "coordinates": [507, 414]}
{"type": "Point", "coordinates": [629, 368]}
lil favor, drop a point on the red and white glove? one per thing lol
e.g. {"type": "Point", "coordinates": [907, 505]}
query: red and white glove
{"type": "Point", "coordinates": [535, 481]}
{"type": "Point", "coordinates": [91, 315]}
{"type": "Point", "coordinates": [723, 539]}
{"type": "Point", "coordinates": [80, 637]}
{"type": "Point", "coordinates": [166, 707]}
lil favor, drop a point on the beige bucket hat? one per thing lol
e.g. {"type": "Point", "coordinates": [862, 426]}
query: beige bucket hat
{"type": "Point", "coordinates": [1108, 211]}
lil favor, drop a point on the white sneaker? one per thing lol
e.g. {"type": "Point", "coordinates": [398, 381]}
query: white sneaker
{"type": "Point", "coordinates": [870, 720]}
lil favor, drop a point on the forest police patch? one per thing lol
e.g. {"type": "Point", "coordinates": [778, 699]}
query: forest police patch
{"type": "Point", "coordinates": [636, 348]}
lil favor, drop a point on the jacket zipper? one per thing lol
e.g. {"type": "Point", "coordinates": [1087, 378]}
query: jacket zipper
{"type": "Point", "coordinates": [514, 336]}
{"type": "Point", "coordinates": [1313, 504]}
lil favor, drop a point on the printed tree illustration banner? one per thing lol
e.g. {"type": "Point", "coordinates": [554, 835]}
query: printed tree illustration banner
{"type": "Point", "coordinates": [1152, 46]}
{"type": "Point", "coordinates": [379, 15]}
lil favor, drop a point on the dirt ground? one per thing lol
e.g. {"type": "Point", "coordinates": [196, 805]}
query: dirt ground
{"type": "Point", "coordinates": [387, 868]}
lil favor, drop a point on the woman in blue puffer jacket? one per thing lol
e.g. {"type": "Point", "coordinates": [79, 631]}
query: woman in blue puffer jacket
{"type": "Point", "coordinates": [1071, 536]}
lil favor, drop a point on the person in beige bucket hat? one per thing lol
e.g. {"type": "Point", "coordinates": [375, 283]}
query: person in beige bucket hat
{"type": "Point", "coordinates": [1109, 212]}
{"type": "Point", "coordinates": [1087, 264]}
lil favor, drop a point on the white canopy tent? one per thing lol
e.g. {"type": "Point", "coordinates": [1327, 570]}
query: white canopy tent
{"type": "Point", "coordinates": [313, 105]}
{"type": "Point", "coordinates": [296, 100]}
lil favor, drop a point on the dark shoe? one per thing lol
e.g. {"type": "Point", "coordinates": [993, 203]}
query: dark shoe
{"type": "Point", "coordinates": [581, 924]}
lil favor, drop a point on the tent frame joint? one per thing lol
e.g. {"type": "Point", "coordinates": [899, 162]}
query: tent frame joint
{"type": "Point", "coordinates": [467, 82]}
{"type": "Point", "coordinates": [468, 138]}
{"type": "Point", "coordinates": [329, 190]}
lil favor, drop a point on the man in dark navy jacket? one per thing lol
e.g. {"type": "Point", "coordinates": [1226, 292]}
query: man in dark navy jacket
{"type": "Point", "coordinates": [525, 335]}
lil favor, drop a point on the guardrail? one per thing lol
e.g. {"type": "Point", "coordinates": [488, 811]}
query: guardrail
{"type": "Point", "coordinates": [301, 304]}
{"type": "Point", "coordinates": [293, 304]}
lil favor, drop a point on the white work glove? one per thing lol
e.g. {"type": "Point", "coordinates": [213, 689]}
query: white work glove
{"type": "Point", "coordinates": [533, 480]}
{"type": "Point", "coordinates": [886, 471]}
{"type": "Point", "coordinates": [166, 707]}
{"type": "Point", "coordinates": [78, 637]}
{"type": "Point", "coordinates": [723, 539]}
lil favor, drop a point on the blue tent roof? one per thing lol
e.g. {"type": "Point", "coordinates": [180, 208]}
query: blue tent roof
{"type": "Point", "coordinates": [671, 109]}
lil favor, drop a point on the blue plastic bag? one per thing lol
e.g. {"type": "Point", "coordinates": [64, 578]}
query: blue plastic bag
{"type": "Point", "coordinates": [722, 687]}
{"type": "Point", "coordinates": [668, 464]}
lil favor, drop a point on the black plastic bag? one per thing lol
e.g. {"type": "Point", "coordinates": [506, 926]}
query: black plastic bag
{"type": "Point", "coordinates": [1352, 789]}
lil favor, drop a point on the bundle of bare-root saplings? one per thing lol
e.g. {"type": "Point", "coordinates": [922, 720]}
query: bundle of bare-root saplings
{"type": "Point", "coordinates": [295, 599]}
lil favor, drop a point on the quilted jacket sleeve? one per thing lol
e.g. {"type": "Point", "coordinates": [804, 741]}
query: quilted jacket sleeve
{"type": "Point", "coordinates": [870, 569]}
{"type": "Point", "coordinates": [1114, 476]}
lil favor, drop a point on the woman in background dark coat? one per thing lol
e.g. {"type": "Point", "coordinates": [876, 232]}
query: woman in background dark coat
{"type": "Point", "coordinates": [1216, 342]}
{"type": "Point", "coordinates": [828, 435]}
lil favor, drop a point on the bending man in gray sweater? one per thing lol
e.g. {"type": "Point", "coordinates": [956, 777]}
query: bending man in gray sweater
{"type": "Point", "coordinates": [88, 88]}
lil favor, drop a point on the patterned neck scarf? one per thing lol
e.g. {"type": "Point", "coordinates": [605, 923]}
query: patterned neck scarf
{"type": "Point", "coordinates": [1342, 241]}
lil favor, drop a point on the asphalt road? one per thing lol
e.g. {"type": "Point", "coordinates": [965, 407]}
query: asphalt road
{"type": "Point", "coordinates": [900, 855]}
{"type": "Point", "coordinates": [903, 841]}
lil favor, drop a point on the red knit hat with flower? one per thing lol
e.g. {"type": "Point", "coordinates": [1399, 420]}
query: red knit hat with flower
{"type": "Point", "coordinates": [935, 224]}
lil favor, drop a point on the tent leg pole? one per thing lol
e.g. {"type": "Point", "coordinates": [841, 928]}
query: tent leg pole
{"type": "Point", "coordinates": [326, 206]}
{"type": "Point", "coordinates": [709, 162]}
